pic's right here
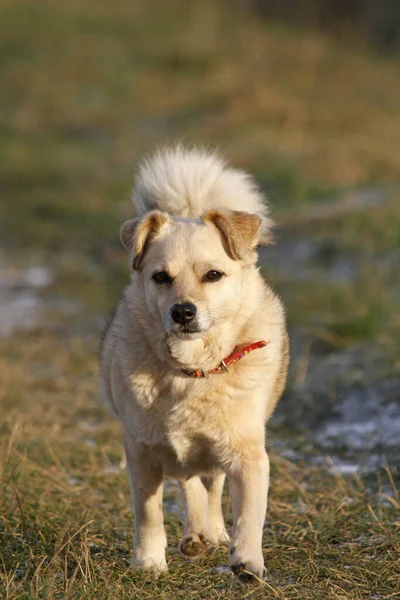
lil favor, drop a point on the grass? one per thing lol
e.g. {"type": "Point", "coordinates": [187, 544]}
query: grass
{"type": "Point", "coordinates": [86, 89]}
{"type": "Point", "coordinates": [66, 523]}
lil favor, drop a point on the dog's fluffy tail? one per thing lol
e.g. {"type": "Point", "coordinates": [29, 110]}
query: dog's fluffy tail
{"type": "Point", "coordinates": [189, 182]}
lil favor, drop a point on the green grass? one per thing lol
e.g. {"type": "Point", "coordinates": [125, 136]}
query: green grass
{"type": "Point", "coordinates": [87, 88]}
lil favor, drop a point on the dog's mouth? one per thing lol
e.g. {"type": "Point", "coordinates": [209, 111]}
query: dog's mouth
{"type": "Point", "coordinates": [190, 330]}
{"type": "Point", "coordinates": [187, 332]}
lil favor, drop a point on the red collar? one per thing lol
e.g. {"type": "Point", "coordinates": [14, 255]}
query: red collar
{"type": "Point", "coordinates": [230, 360]}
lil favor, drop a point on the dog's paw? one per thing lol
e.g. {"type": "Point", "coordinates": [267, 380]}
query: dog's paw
{"type": "Point", "coordinates": [155, 566]}
{"type": "Point", "coordinates": [247, 574]}
{"type": "Point", "coordinates": [193, 545]}
{"type": "Point", "coordinates": [247, 571]}
{"type": "Point", "coordinates": [219, 539]}
{"type": "Point", "coordinates": [217, 534]}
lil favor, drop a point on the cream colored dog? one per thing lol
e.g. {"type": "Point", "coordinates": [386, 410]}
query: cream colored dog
{"type": "Point", "coordinates": [196, 297]}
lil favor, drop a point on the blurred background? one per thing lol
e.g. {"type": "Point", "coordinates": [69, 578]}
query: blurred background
{"type": "Point", "coordinates": [306, 96]}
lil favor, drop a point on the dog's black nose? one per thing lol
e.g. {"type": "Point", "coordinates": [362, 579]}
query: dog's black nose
{"type": "Point", "coordinates": [183, 313]}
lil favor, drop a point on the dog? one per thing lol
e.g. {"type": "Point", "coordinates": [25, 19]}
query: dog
{"type": "Point", "coordinates": [195, 357]}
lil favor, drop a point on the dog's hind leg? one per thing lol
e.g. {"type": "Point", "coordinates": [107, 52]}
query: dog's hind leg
{"type": "Point", "coordinates": [196, 536]}
{"type": "Point", "coordinates": [216, 525]}
{"type": "Point", "coordinates": [146, 476]}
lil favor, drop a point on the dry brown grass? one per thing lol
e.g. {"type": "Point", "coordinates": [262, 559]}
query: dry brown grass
{"type": "Point", "coordinates": [66, 524]}
{"type": "Point", "coordinates": [86, 89]}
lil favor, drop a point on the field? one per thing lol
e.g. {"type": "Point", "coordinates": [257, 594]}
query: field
{"type": "Point", "coordinates": [87, 88]}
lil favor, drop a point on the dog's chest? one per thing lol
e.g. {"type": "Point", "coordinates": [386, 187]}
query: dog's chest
{"type": "Point", "coordinates": [194, 421]}
{"type": "Point", "coordinates": [200, 438]}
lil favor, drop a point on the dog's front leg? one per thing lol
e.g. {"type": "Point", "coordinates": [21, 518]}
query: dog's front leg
{"type": "Point", "coordinates": [146, 477]}
{"type": "Point", "coordinates": [248, 483]}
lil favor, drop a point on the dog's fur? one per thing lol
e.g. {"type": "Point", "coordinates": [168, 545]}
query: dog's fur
{"type": "Point", "coordinates": [189, 222]}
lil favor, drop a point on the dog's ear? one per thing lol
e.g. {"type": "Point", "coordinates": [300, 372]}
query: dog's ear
{"type": "Point", "coordinates": [136, 234]}
{"type": "Point", "coordinates": [239, 230]}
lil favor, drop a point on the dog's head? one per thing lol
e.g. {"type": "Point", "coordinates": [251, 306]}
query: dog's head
{"type": "Point", "coordinates": [193, 272]}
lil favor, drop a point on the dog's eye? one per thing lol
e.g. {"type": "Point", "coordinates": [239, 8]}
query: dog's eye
{"type": "Point", "coordinates": [213, 276]}
{"type": "Point", "coordinates": [161, 278]}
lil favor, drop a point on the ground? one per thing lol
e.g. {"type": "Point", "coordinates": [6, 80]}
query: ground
{"type": "Point", "coordinates": [89, 87]}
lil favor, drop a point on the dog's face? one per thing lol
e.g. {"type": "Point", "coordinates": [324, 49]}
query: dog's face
{"type": "Point", "coordinates": [193, 272]}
